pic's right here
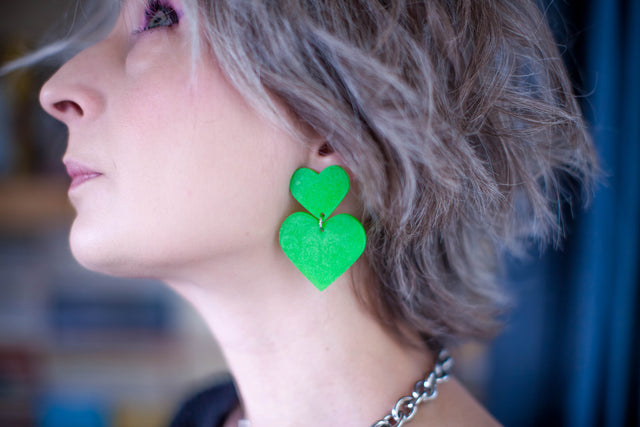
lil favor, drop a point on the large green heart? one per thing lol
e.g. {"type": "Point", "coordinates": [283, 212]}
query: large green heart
{"type": "Point", "coordinates": [320, 193]}
{"type": "Point", "coordinates": [322, 256]}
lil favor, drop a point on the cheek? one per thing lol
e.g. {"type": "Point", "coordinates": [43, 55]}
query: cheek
{"type": "Point", "coordinates": [200, 174]}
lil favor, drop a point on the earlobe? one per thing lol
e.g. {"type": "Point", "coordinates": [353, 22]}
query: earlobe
{"type": "Point", "coordinates": [322, 155]}
{"type": "Point", "coordinates": [325, 150]}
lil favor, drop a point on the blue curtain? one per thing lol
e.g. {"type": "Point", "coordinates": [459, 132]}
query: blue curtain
{"type": "Point", "coordinates": [571, 353]}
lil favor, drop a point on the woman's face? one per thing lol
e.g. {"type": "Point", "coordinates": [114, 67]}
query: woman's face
{"type": "Point", "coordinates": [188, 171]}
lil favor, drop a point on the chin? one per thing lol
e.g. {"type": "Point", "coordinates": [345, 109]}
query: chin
{"type": "Point", "coordinates": [100, 251]}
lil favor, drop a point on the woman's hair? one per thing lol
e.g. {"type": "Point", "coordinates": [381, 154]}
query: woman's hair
{"type": "Point", "coordinates": [456, 119]}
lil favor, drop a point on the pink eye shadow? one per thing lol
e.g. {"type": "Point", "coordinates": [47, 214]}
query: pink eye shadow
{"type": "Point", "coordinates": [159, 10]}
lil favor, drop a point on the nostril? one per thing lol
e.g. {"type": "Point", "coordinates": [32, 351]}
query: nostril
{"type": "Point", "coordinates": [65, 106]}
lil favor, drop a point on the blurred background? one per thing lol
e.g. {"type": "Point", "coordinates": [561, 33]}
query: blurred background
{"type": "Point", "coordinates": [81, 349]}
{"type": "Point", "coordinates": [77, 349]}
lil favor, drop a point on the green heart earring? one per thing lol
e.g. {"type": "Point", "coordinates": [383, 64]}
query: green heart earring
{"type": "Point", "coordinates": [322, 248]}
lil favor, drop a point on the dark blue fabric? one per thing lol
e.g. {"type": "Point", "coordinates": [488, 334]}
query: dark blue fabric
{"type": "Point", "coordinates": [570, 356]}
{"type": "Point", "coordinates": [208, 408]}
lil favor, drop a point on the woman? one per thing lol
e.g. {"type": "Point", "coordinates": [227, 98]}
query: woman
{"type": "Point", "coordinates": [456, 125]}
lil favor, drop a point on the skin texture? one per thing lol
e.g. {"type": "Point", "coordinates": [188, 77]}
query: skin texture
{"type": "Point", "coordinates": [163, 146]}
{"type": "Point", "coordinates": [194, 187]}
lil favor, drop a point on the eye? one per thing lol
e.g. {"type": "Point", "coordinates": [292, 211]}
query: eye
{"type": "Point", "coordinates": [159, 13]}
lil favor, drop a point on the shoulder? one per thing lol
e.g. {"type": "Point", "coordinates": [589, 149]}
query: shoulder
{"type": "Point", "coordinates": [208, 407]}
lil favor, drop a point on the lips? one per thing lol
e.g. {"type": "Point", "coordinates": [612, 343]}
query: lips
{"type": "Point", "coordinates": [79, 173]}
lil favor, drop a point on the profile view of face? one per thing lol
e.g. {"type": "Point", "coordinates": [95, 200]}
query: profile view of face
{"type": "Point", "coordinates": [187, 170]}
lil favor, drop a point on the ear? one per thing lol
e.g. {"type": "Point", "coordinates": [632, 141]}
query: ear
{"type": "Point", "coordinates": [322, 155]}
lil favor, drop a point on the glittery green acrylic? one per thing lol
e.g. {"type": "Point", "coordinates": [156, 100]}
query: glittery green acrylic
{"type": "Point", "coordinates": [320, 246]}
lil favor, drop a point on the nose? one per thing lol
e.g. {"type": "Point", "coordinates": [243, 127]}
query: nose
{"type": "Point", "coordinates": [71, 95]}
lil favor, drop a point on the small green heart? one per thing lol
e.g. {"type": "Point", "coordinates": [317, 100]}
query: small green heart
{"type": "Point", "coordinates": [322, 256]}
{"type": "Point", "coordinates": [320, 193]}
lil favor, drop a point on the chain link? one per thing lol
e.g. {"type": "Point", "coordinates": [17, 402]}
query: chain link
{"type": "Point", "coordinates": [427, 389]}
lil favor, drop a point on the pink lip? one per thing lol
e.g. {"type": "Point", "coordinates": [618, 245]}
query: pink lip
{"type": "Point", "coordinates": [79, 173]}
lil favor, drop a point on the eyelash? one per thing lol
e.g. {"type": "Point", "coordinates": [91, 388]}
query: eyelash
{"type": "Point", "coordinates": [158, 13]}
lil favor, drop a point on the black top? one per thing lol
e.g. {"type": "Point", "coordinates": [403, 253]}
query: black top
{"type": "Point", "coordinates": [208, 408]}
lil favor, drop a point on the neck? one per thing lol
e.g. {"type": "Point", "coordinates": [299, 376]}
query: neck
{"type": "Point", "coordinates": [296, 353]}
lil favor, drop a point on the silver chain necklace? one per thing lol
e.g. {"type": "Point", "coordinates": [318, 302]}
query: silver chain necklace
{"type": "Point", "coordinates": [406, 407]}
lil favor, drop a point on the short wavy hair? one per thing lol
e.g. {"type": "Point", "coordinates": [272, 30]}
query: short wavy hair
{"type": "Point", "coordinates": [455, 118]}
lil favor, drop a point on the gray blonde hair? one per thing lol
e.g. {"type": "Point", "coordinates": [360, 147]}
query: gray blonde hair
{"type": "Point", "coordinates": [456, 119]}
